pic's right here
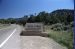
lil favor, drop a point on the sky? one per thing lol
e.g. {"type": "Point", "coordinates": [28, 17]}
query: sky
{"type": "Point", "coordinates": [19, 8]}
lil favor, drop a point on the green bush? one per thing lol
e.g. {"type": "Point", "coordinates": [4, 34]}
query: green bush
{"type": "Point", "coordinates": [62, 27]}
{"type": "Point", "coordinates": [57, 27]}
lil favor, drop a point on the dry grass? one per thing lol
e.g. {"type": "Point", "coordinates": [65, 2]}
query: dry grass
{"type": "Point", "coordinates": [62, 37]}
{"type": "Point", "coordinates": [3, 26]}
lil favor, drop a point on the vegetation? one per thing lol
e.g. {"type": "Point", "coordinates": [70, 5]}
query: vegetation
{"type": "Point", "coordinates": [64, 16]}
{"type": "Point", "coordinates": [63, 37]}
{"type": "Point", "coordinates": [4, 25]}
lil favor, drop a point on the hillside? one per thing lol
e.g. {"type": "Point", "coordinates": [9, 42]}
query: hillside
{"type": "Point", "coordinates": [58, 16]}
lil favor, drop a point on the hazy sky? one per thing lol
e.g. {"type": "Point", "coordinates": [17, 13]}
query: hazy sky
{"type": "Point", "coordinates": [19, 8]}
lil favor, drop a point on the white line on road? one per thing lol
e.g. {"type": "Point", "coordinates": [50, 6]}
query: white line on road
{"type": "Point", "coordinates": [7, 38]}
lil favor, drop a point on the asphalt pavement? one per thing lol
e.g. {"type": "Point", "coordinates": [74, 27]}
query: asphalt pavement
{"type": "Point", "coordinates": [10, 37]}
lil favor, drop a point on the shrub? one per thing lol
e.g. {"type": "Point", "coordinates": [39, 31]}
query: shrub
{"type": "Point", "coordinates": [57, 27]}
{"type": "Point", "coordinates": [72, 24]}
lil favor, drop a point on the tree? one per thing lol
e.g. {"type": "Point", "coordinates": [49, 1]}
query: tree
{"type": "Point", "coordinates": [31, 19]}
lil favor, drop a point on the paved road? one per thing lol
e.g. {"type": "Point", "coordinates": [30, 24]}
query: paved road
{"type": "Point", "coordinates": [38, 42]}
{"type": "Point", "coordinates": [4, 33]}
{"type": "Point", "coordinates": [10, 38]}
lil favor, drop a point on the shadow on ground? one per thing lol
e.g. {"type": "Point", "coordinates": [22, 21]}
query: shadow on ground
{"type": "Point", "coordinates": [33, 33]}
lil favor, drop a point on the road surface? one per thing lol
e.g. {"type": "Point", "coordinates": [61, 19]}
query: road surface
{"type": "Point", "coordinates": [10, 37]}
{"type": "Point", "coordinates": [38, 42]}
